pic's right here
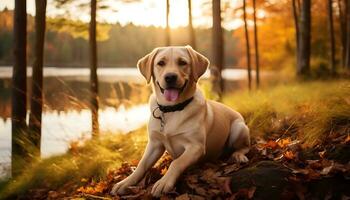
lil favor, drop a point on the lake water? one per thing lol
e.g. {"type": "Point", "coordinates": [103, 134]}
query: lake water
{"type": "Point", "coordinates": [66, 117]}
{"type": "Point", "coordinates": [112, 74]}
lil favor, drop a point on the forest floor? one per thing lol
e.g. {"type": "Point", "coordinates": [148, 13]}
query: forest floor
{"type": "Point", "coordinates": [300, 150]}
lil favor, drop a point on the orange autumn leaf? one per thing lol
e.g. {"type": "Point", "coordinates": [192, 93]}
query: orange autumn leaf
{"type": "Point", "coordinates": [134, 162]}
{"type": "Point", "coordinates": [289, 155]}
{"type": "Point", "coordinates": [271, 144]}
{"type": "Point", "coordinates": [80, 189]}
{"type": "Point", "coordinates": [88, 190]}
{"type": "Point", "coordinates": [284, 142]}
{"type": "Point", "coordinates": [100, 187]}
{"type": "Point", "coordinates": [96, 189]}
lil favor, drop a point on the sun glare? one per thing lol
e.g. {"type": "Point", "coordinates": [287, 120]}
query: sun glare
{"type": "Point", "coordinates": [141, 13]}
{"type": "Point", "coordinates": [178, 13]}
{"type": "Point", "coordinates": [151, 12]}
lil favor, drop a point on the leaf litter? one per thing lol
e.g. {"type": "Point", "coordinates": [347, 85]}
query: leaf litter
{"type": "Point", "coordinates": [213, 180]}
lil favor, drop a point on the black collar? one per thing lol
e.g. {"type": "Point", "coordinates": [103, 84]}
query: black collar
{"type": "Point", "coordinates": [176, 107]}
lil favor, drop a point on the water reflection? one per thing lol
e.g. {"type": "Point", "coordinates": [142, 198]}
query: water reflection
{"type": "Point", "coordinates": [61, 128]}
{"type": "Point", "coordinates": [66, 115]}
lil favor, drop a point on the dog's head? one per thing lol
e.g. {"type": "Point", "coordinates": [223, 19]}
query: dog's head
{"type": "Point", "coordinates": [174, 72]}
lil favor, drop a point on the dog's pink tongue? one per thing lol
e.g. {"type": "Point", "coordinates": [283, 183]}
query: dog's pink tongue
{"type": "Point", "coordinates": [171, 94]}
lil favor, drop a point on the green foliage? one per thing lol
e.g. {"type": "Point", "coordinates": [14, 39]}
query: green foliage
{"type": "Point", "coordinates": [92, 160]}
{"type": "Point", "coordinates": [77, 29]}
{"type": "Point", "coordinates": [67, 45]}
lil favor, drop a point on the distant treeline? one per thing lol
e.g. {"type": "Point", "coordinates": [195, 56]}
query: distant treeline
{"type": "Point", "coordinates": [119, 46]}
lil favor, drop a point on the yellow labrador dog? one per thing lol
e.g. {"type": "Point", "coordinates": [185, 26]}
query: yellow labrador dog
{"type": "Point", "coordinates": [185, 124]}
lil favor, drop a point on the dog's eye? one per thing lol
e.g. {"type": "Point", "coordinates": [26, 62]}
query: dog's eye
{"type": "Point", "coordinates": [182, 63]}
{"type": "Point", "coordinates": [161, 63]}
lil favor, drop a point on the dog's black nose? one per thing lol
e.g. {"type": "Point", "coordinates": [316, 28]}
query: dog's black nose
{"type": "Point", "coordinates": [170, 78]}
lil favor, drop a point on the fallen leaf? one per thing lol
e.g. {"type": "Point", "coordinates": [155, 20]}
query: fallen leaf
{"type": "Point", "coordinates": [183, 197]}
{"type": "Point", "coordinates": [271, 144]}
{"type": "Point", "coordinates": [227, 186]}
{"type": "Point", "coordinates": [322, 153]}
{"type": "Point", "coordinates": [289, 155]}
{"type": "Point", "coordinates": [251, 192]}
{"type": "Point", "coordinates": [347, 139]}
{"type": "Point", "coordinates": [313, 175]}
{"type": "Point", "coordinates": [200, 191]}
{"type": "Point", "coordinates": [326, 170]}
{"type": "Point", "coordinates": [300, 171]}
{"type": "Point", "coordinates": [134, 162]}
{"type": "Point", "coordinates": [244, 193]}
{"type": "Point", "coordinates": [230, 168]}
{"type": "Point", "coordinates": [53, 194]}
{"type": "Point", "coordinates": [284, 142]}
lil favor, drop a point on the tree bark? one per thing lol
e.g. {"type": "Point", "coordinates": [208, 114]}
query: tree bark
{"type": "Point", "coordinates": [303, 67]}
{"type": "Point", "coordinates": [19, 89]}
{"type": "Point", "coordinates": [297, 32]}
{"type": "Point", "coordinates": [167, 28]}
{"type": "Point", "coordinates": [218, 49]}
{"type": "Point", "coordinates": [247, 45]}
{"type": "Point", "coordinates": [37, 78]}
{"type": "Point", "coordinates": [331, 36]}
{"type": "Point", "coordinates": [190, 26]}
{"type": "Point", "coordinates": [342, 25]}
{"type": "Point", "coordinates": [347, 56]}
{"type": "Point", "coordinates": [256, 43]}
{"type": "Point", "coordinates": [93, 71]}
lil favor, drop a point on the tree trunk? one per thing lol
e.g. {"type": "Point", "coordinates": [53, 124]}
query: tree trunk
{"type": "Point", "coordinates": [167, 28]}
{"type": "Point", "coordinates": [19, 89]}
{"type": "Point", "coordinates": [37, 78]}
{"type": "Point", "coordinates": [303, 67]}
{"type": "Point", "coordinates": [218, 50]}
{"type": "Point", "coordinates": [256, 43]}
{"type": "Point", "coordinates": [190, 26]}
{"type": "Point", "coordinates": [247, 45]}
{"type": "Point", "coordinates": [297, 32]}
{"type": "Point", "coordinates": [342, 25]}
{"type": "Point", "coordinates": [347, 56]}
{"type": "Point", "coordinates": [331, 36]}
{"type": "Point", "coordinates": [298, 3]}
{"type": "Point", "coordinates": [93, 71]}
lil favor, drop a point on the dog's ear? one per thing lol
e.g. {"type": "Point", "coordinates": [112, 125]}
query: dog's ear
{"type": "Point", "coordinates": [199, 63]}
{"type": "Point", "coordinates": [145, 64]}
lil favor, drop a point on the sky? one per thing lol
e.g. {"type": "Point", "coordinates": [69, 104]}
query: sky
{"type": "Point", "coordinates": [145, 12]}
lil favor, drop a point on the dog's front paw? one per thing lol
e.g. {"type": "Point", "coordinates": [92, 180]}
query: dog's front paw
{"type": "Point", "coordinates": [121, 187]}
{"type": "Point", "coordinates": [239, 158]}
{"type": "Point", "coordinates": [162, 186]}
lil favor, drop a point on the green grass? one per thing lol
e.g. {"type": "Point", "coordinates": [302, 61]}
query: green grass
{"type": "Point", "coordinates": [92, 160]}
{"type": "Point", "coordinates": [308, 110]}
{"type": "Point", "coordinates": [312, 110]}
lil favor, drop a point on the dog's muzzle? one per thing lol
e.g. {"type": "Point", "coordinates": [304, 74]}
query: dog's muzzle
{"type": "Point", "coordinates": [172, 93]}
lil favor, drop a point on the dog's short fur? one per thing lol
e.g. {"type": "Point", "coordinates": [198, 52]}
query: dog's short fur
{"type": "Point", "coordinates": [198, 132]}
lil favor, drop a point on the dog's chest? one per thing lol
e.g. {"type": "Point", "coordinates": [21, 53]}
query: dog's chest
{"type": "Point", "coordinates": [172, 144]}
{"type": "Point", "coordinates": [172, 124]}
{"type": "Point", "coordinates": [174, 133]}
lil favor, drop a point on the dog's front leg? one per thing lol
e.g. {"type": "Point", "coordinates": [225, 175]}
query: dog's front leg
{"type": "Point", "coordinates": [191, 155]}
{"type": "Point", "coordinates": [153, 152]}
